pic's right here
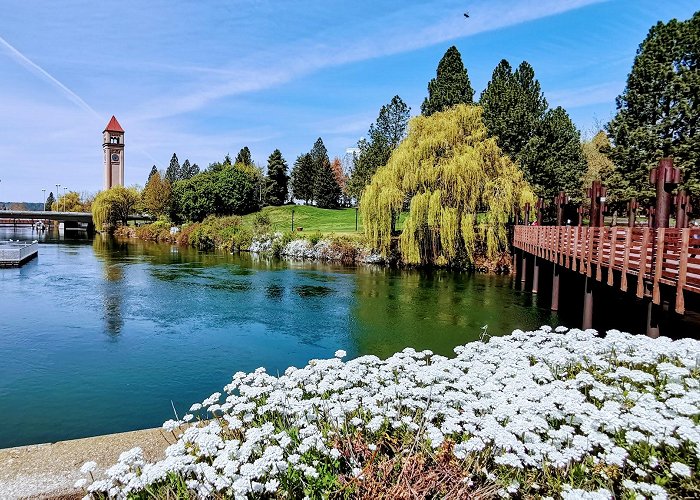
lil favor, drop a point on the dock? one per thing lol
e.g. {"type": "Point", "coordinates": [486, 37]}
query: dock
{"type": "Point", "coordinates": [16, 253]}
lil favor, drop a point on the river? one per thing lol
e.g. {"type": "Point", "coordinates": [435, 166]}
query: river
{"type": "Point", "coordinates": [101, 336]}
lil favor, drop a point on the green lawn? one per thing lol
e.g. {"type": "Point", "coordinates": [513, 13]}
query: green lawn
{"type": "Point", "coordinates": [311, 219]}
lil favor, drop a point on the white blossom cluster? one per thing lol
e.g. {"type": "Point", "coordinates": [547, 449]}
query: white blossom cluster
{"type": "Point", "coordinates": [621, 409]}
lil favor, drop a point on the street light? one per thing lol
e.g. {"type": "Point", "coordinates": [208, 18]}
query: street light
{"type": "Point", "coordinates": [43, 194]}
{"type": "Point", "coordinates": [58, 194]}
{"type": "Point", "coordinates": [292, 220]}
{"type": "Point", "coordinates": [65, 189]}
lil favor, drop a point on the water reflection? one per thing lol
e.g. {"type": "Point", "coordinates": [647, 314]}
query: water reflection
{"type": "Point", "coordinates": [112, 252]}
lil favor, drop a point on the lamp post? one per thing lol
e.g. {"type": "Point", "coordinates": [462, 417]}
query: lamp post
{"type": "Point", "coordinates": [65, 191]}
{"type": "Point", "coordinates": [58, 193]}
{"type": "Point", "coordinates": [292, 220]}
{"type": "Point", "coordinates": [356, 217]}
{"type": "Point", "coordinates": [43, 194]}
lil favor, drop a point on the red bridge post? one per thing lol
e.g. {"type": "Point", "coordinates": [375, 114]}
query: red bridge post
{"type": "Point", "coordinates": [560, 202]}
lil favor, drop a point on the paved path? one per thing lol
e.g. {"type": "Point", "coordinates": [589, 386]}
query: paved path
{"type": "Point", "coordinates": [48, 471]}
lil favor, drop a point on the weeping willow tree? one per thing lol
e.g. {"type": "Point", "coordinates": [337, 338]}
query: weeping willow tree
{"type": "Point", "coordinates": [458, 185]}
{"type": "Point", "coordinates": [114, 205]}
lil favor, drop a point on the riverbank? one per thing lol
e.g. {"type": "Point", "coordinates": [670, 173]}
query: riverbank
{"type": "Point", "coordinates": [49, 471]}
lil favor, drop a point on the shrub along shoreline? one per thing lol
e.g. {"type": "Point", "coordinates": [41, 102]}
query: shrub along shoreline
{"type": "Point", "coordinates": [256, 235]}
{"type": "Point", "coordinates": [546, 413]}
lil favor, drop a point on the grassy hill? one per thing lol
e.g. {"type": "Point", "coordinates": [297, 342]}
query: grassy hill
{"type": "Point", "coordinates": [311, 219]}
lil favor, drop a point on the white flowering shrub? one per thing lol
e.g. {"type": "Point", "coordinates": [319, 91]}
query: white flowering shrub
{"type": "Point", "coordinates": [560, 414]}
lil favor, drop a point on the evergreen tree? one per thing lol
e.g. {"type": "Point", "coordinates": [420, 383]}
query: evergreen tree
{"type": "Point", "coordinates": [303, 177]}
{"type": "Point", "coordinates": [173, 173]}
{"type": "Point", "coordinates": [552, 159]}
{"type": "Point", "coordinates": [513, 106]}
{"type": "Point", "coordinates": [319, 157]}
{"type": "Point", "coordinates": [50, 200]}
{"type": "Point", "coordinates": [156, 196]}
{"type": "Point", "coordinates": [244, 156]}
{"type": "Point", "coordinates": [189, 170]}
{"type": "Point", "coordinates": [384, 134]}
{"type": "Point", "coordinates": [599, 167]}
{"type": "Point", "coordinates": [451, 85]}
{"type": "Point", "coordinates": [277, 179]}
{"type": "Point", "coordinates": [154, 170]}
{"type": "Point", "coordinates": [657, 113]}
{"type": "Point", "coordinates": [326, 189]}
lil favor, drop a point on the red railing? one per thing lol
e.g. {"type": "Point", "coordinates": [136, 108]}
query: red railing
{"type": "Point", "coordinates": [660, 256]}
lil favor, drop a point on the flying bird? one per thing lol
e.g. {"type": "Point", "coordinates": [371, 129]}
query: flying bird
{"type": "Point", "coordinates": [466, 14]}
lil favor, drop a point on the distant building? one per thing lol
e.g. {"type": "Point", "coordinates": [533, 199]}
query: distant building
{"type": "Point", "coordinates": [113, 152]}
{"type": "Point", "coordinates": [349, 159]}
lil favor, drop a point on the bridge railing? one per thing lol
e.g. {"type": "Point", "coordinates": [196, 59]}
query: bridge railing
{"type": "Point", "coordinates": [665, 256]}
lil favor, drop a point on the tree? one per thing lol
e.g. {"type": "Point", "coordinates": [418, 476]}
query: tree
{"type": "Point", "coordinates": [244, 156]}
{"type": "Point", "coordinates": [173, 173]}
{"type": "Point", "coordinates": [277, 179]}
{"type": "Point", "coordinates": [450, 171]}
{"type": "Point", "coordinates": [154, 170]}
{"type": "Point", "coordinates": [552, 159]}
{"type": "Point", "coordinates": [50, 200]}
{"type": "Point", "coordinates": [156, 197]}
{"type": "Point", "coordinates": [658, 111]}
{"type": "Point", "coordinates": [70, 202]}
{"type": "Point", "coordinates": [513, 106]}
{"type": "Point", "coordinates": [384, 134]}
{"type": "Point", "coordinates": [114, 205]}
{"type": "Point", "coordinates": [340, 177]}
{"type": "Point", "coordinates": [326, 189]}
{"type": "Point", "coordinates": [451, 85]}
{"type": "Point", "coordinates": [598, 164]}
{"type": "Point", "coordinates": [319, 157]}
{"type": "Point", "coordinates": [237, 190]}
{"type": "Point", "coordinates": [188, 171]}
{"type": "Point", "coordinates": [195, 198]}
{"type": "Point", "coordinates": [303, 177]}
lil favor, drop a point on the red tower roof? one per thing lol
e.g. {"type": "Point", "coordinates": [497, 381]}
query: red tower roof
{"type": "Point", "coordinates": [113, 126]}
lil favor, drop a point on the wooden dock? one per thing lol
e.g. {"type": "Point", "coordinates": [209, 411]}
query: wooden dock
{"type": "Point", "coordinates": [16, 253]}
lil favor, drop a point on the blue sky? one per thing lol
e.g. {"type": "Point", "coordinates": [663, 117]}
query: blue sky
{"type": "Point", "coordinates": [206, 78]}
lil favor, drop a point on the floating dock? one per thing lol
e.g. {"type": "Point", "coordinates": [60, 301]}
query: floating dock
{"type": "Point", "coordinates": [16, 253]}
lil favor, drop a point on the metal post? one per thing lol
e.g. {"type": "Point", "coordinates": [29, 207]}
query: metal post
{"type": "Point", "coordinates": [535, 274]}
{"type": "Point", "coordinates": [43, 193]}
{"type": "Point", "coordinates": [356, 218]}
{"type": "Point", "coordinates": [555, 288]}
{"type": "Point", "coordinates": [292, 220]}
{"type": "Point", "coordinates": [523, 269]}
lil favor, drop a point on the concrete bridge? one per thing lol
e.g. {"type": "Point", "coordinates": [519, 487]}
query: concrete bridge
{"type": "Point", "coordinates": [71, 220]}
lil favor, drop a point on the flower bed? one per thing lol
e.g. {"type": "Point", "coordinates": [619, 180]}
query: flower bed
{"type": "Point", "coordinates": [543, 413]}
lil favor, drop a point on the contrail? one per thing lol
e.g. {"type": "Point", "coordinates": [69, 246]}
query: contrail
{"type": "Point", "coordinates": [35, 68]}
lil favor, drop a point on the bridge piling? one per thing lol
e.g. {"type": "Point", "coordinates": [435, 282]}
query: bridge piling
{"type": "Point", "coordinates": [587, 304]}
{"type": "Point", "coordinates": [555, 288]}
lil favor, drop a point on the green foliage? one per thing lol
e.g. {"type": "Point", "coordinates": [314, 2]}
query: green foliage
{"type": "Point", "coordinates": [449, 170]}
{"type": "Point", "coordinates": [188, 170]}
{"type": "Point", "coordinates": [303, 177]}
{"type": "Point", "coordinates": [156, 197]}
{"type": "Point", "coordinates": [311, 218]}
{"type": "Point", "coordinates": [227, 233]}
{"type": "Point", "coordinates": [450, 87]}
{"type": "Point", "coordinates": [552, 159]}
{"type": "Point", "coordinates": [50, 200]}
{"type": "Point", "coordinates": [70, 202]}
{"type": "Point", "coordinates": [244, 157]}
{"type": "Point", "coordinates": [261, 223]}
{"type": "Point", "coordinates": [384, 136]}
{"type": "Point", "coordinates": [657, 113]}
{"type": "Point", "coordinates": [173, 173]}
{"type": "Point", "coordinates": [513, 106]}
{"type": "Point", "coordinates": [598, 164]}
{"type": "Point", "coordinates": [114, 206]}
{"type": "Point", "coordinates": [154, 170]}
{"type": "Point", "coordinates": [277, 179]}
{"type": "Point", "coordinates": [326, 189]}
{"type": "Point", "coordinates": [226, 191]}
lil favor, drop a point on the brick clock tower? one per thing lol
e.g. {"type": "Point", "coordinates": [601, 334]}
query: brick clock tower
{"type": "Point", "coordinates": [113, 152]}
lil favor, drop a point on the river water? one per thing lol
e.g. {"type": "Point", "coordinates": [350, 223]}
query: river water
{"type": "Point", "coordinates": [101, 336]}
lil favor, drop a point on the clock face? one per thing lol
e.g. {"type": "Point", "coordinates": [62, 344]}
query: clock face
{"type": "Point", "coordinates": [115, 157]}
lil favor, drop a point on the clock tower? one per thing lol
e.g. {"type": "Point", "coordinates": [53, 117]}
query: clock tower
{"type": "Point", "coordinates": [113, 153]}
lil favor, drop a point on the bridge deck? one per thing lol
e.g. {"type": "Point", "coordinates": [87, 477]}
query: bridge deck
{"type": "Point", "coordinates": [661, 256]}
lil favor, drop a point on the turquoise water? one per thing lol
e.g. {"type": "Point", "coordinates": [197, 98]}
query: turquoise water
{"type": "Point", "coordinates": [100, 336]}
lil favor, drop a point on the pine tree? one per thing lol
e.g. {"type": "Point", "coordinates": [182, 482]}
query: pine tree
{"type": "Point", "coordinates": [326, 189]}
{"type": "Point", "coordinates": [552, 159]}
{"type": "Point", "coordinates": [244, 156]}
{"type": "Point", "coordinates": [173, 173]}
{"type": "Point", "coordinates": [303, 177]}
{"type": "Point", "coordinates": [384, 134]}
{"type": "Point", "coordinates": [319, 157]}
{"type": "Point", "coordinates": [451, 85]}
{"type": "Point", "coordinates": [513, 106]}
{"type": "Point", "coordinates": [277, 179]}
{"type": "Point", "coordinates": [657, 113]}
{"type": "Point", "coordinates": [50, 200]}
{"type": "Point", "coordinates": [599, 167]}
{"type": "Point", "coordinates": [189, 170]}
{"type": "Point", "coordinates": [154, 170]}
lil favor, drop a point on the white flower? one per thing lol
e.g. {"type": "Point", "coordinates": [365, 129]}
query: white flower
{"type": "Point", "coordinates": [680, 469]}
{"type": "Point", "coordinates": [80, 483]}
{"type": "Point", "coordinates": [88, 467]}
{"type": "Point", "coordinates": [340, 354]}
